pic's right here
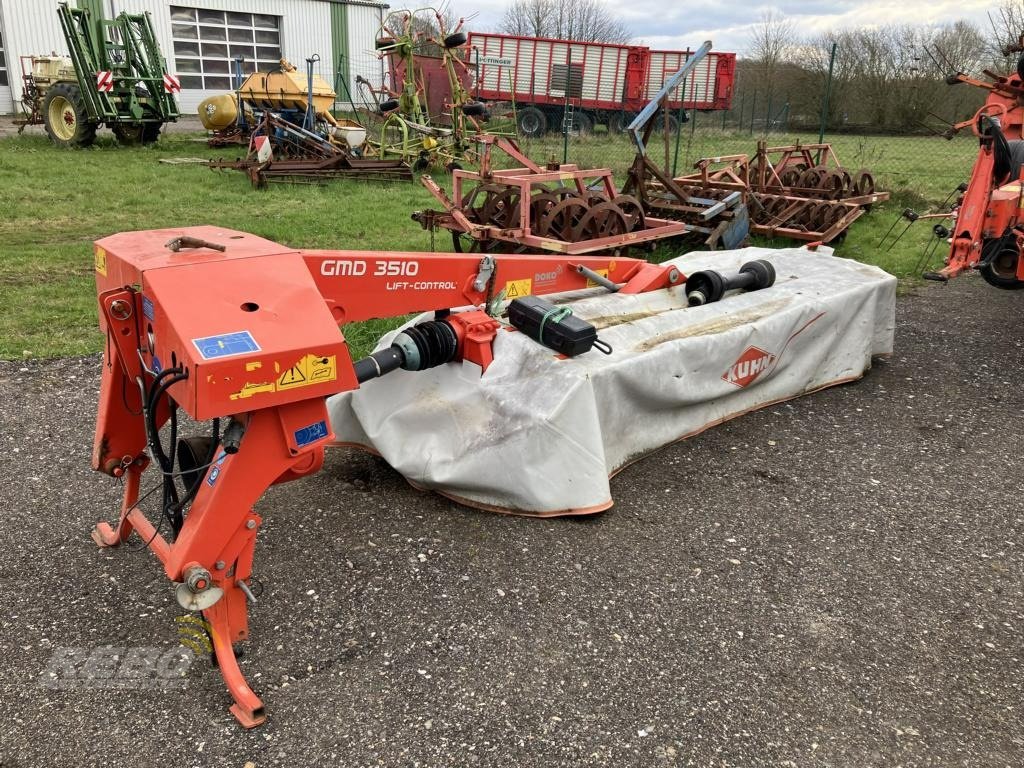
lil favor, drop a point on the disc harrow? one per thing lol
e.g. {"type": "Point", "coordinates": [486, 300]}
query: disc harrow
{"type": "Point", "coordinates": [799, 191]}
{"type": "Point", "coordinates": [559, 208]}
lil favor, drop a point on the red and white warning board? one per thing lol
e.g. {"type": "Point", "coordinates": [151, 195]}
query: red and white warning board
{"type": "Point", "coordinates": [105, 81]}
{"type": "Point", "coordinates": [171, 83]}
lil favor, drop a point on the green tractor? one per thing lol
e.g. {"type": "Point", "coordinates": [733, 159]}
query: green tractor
{"type": "Point", "coordinates": [115, 76]}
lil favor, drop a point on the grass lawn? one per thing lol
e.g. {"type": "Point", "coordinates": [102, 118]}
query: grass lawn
{"type": "Point", "coordinates": [56, 202]}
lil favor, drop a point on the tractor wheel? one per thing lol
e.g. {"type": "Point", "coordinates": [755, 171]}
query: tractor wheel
{"type": "Point", "coordinates": [67, 122]}
{"type": "Point", "coordinates": [151, 132]}
{"type": "Point", "coordinates": [531, 122]}
{"type": "Point", "coordinates": [128, 134]}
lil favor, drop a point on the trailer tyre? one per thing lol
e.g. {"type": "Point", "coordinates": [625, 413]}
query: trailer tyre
{"type": "Point", "coordinates": [388, 106]}
{"type": "Point", "coordinates": [582, 123]}
{"type": "Point", "coordinates": [619, 121]}
{"type": "Point", "coordinates": [65, 117]}
{"type": "Point", "coordinates": [531, 123]}
{"type": "Point", "coordinates": [474, 109]}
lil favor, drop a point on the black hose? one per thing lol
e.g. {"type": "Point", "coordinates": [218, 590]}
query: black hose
{"type": "Point", "coordinates": [191, 491]}
{"type": "Point", "coordinates": [164, 381]}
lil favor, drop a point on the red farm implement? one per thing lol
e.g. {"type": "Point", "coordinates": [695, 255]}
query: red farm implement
{"type": "Point", "coordinates": [559, 208]}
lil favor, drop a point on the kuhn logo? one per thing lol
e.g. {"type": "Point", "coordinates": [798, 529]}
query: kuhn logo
{"type": "Point", "coordinates": [751, 364]}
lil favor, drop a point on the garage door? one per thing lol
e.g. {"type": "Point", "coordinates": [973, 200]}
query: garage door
{"type": "Point", "coordinates": [6, 100]}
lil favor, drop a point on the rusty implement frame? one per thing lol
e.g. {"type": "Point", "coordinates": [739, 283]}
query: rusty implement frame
{"type": "Point", "coordinates": [800, 191]}
{"type": "Point", "coordinates": [559, 208]}
{"type": "Point", "coordinates": [300, 156]}
{"type": "Point", "coordinates": [716, 212]}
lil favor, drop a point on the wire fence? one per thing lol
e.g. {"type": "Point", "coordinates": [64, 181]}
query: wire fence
{"type": "Point", "coordinates": [927, 167]}
{"type": "Point", "coordinates": [899, 139]}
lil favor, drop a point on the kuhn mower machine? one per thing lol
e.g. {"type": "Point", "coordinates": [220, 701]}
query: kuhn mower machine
{"type": "Point", "coordinates": [988, 225]}
{"type": "Point", "coordinates": [243, 333]}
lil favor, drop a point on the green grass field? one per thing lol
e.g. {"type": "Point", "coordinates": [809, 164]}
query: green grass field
{"type": "Point", "coordinates": [56, 202]}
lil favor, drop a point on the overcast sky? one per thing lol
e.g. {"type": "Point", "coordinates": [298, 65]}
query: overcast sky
{"type": "Point", "coordinates": [688, 23]}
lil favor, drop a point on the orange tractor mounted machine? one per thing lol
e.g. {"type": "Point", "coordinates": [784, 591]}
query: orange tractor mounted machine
{"type": "Point", "coordinates": [244, 333]}
{"type": "Point", "coordinates": [988, 227]}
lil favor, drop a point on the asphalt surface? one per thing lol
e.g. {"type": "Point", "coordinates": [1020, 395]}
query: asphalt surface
{"type": "Point", "coordinates": [832, 582]}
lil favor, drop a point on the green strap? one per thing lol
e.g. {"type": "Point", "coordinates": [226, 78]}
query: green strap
{"type": "Point", "coordinates": [556, 315]}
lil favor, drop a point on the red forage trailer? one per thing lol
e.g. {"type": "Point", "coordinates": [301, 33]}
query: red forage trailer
{"type": "Point", "coordinates": [599, 82]}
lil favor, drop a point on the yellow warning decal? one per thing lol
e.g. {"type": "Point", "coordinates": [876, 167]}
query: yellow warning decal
{"type": "Point", "coordinates": [515, 289]}
{"type": "Point", "coordinates": [101, 261]}
{"type": "Point", "coordinates": [602, 273]}
{"type": "Point", "coordinates": [251, 389]}
{"type": "Point", "coordinates": [310, 370]}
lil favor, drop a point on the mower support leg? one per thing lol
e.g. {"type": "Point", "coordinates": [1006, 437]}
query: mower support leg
{"type": "Point", "coordinates": [103, 534]}
{"type": "Point", "coordinates": [228, 624]}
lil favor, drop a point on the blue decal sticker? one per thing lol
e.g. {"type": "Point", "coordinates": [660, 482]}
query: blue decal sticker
{"type": "Point", "coordinates": [311, 434]}
{"type": "Point", "coordinates": [157, 365]}
{"type": "Point", "coordinates": [147, 308]}
{"type": "Point", "coordinates": [214, 473]}
{"type": "Point", "coordinates": [226, 345]}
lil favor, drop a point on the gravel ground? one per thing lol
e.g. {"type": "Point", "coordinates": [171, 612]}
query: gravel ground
{"type": "Point", "coordinates": [834, 582]}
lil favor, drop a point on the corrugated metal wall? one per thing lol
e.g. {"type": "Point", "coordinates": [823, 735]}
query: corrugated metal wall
{"type": "Point", "coordinates": [305, 30]}
{"type": "Point", "coordinates": [363, 24]}
{"type": "Point", "coordinates": [31, 27]}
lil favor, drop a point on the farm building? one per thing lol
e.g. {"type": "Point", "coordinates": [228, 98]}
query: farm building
{"type": "Point", "coordinates": [200, 38]}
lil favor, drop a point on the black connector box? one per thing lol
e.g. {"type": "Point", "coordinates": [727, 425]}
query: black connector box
{"type": "Point", "coordinates": [562, 332]}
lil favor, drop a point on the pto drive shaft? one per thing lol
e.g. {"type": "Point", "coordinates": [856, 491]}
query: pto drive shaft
{"type": "Point", "coordinates": [708, 286]}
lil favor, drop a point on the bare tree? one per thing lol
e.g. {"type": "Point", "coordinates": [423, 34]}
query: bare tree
{"type": "Point", "coordinates": [583, 20]}
{"type": "Point", "coordinates": [1007, 22]}
{"type": "Point", "coordinates": [772, 41]}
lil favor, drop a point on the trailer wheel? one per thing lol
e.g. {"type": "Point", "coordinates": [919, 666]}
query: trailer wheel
{"type": "Point", "coordinates": [582, 123]}
{"type": "Point", "coordinates": [673, 124]}
{"type": "Point", "coordinates": [619, 121]}
{"type": "Point", "coordinates": [531, 122]}
{"type": "Point", "coordinates": [65, 117]}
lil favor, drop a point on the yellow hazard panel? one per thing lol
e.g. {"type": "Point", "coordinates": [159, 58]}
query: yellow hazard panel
{"type": "Point", "coordinates": [251, 389]}
{"type": "Point", "coordinates": [101, 261]}
{"type": "Point", "coordinates": [515, 289]}
{"type": "Point", "coordinates": [602, 273]}
{"type": "Point", "coordinates": [310, 370]}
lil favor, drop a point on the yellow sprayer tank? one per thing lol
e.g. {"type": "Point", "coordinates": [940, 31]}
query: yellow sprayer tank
{"type": "Point", "coordinates": [218, 112]}
{"type": "Point", "coordinates": [286, 88]}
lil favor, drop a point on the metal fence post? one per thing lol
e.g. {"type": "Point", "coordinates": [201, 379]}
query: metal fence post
{"type": "Point", "coordinates": [828, 93]}
{"type": "Point", "coordinates": [753, 113]}
{"type": "Point", "coordinates": [679, 123]}
{"type": "Point", "coordinates": [566, 120]}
